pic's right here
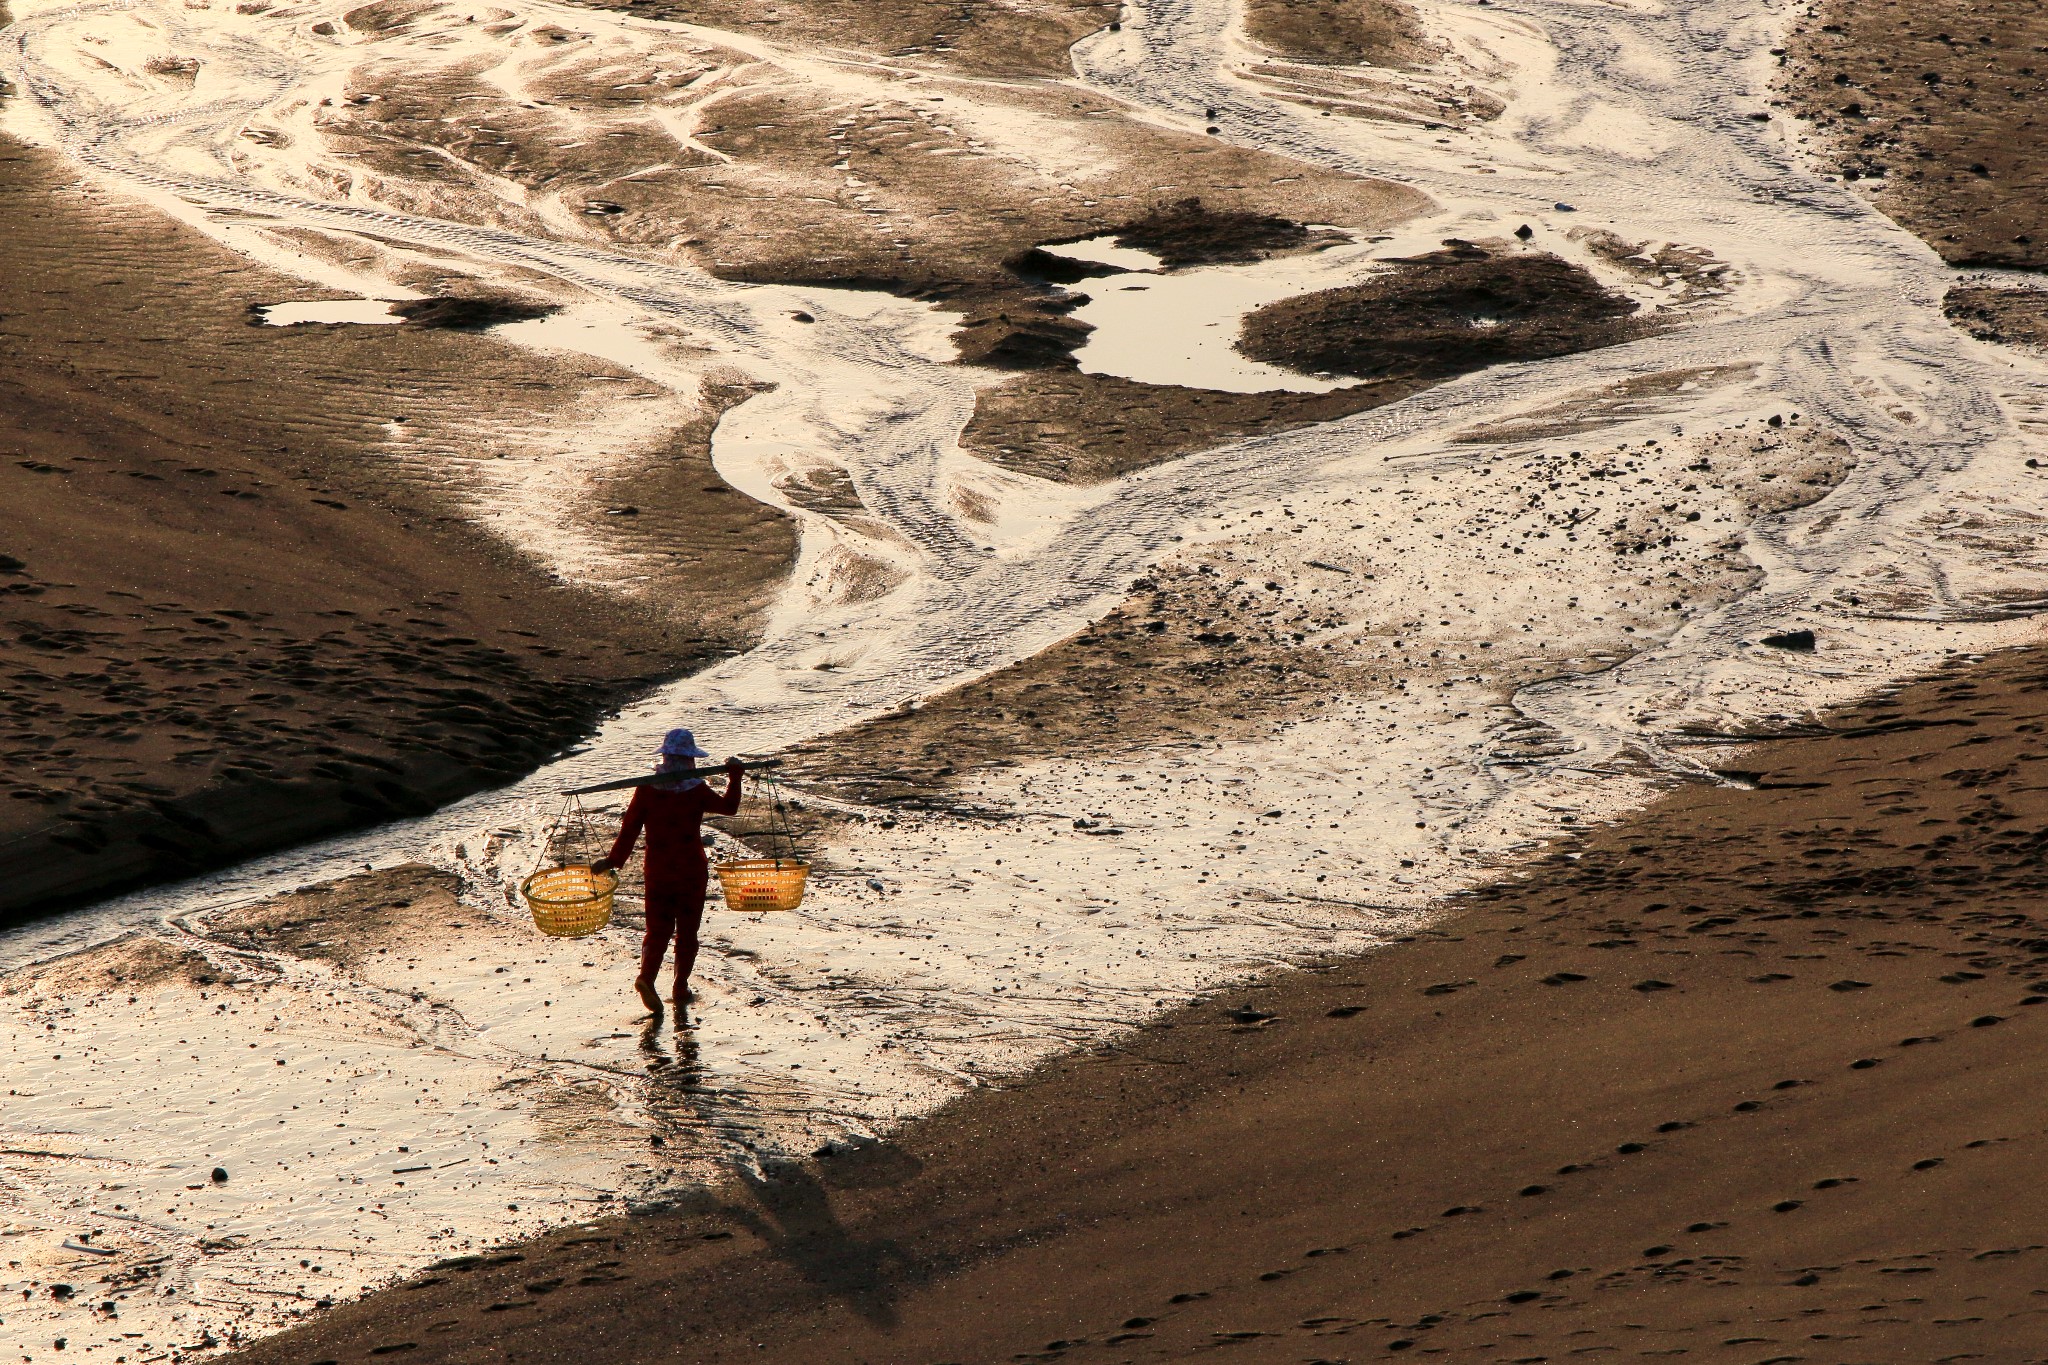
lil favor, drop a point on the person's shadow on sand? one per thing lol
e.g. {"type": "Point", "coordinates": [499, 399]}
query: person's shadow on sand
{"type": "Point", "coordinates": [793, 1215]}
{"type": "Point", "coordinates": [796, 1221]}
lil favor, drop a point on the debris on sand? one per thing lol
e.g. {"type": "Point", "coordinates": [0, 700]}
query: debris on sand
{"type": "Point", "coordinates": [470, 314]}
{"type": "Point", "coordinates": [1442, 314]}
{"type": "Point", "coordinates": [2012, 316]}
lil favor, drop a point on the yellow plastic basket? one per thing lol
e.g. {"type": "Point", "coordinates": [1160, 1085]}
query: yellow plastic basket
{"type": "Point", "coordinates": [753, 885]}
{"type": "Point", "coordinates": [570, 902]}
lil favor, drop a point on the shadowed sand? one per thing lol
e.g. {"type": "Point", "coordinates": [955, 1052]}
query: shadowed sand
{"type": "Point", "coordinates": [242, 602]}
{"type": "Point", "coordinates": [1754, 1072]}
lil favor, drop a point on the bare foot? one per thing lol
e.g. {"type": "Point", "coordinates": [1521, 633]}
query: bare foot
{"type": "Point", "coordinates": [648, 996]}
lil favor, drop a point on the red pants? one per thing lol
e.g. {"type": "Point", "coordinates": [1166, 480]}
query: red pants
{"type": "Point", "coordinates": [674, 910]}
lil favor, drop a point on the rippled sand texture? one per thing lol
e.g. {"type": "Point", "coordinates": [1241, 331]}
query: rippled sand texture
{"type": "Point", "coordinates": [1278, 695]}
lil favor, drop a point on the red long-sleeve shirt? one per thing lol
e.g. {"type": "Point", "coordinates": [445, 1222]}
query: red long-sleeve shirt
{"type": "Point", "coordinates": [674, 821]}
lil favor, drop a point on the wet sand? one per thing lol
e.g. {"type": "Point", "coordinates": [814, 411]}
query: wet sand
{"type": "Point", "coordinates": [248, 598]}
{"type": "Point", "coordinates": [1747, 1077]}
{"type": "Point", "coordinates": [1340, 32]}
{"type": "Point", "coordinates": [1445, 313]}
{"type": "Point", "coordinates": [1226, 1179]}
{"type": "Point", "coordinates": [1752, 1076]}
{"type": "Point", "coordinates": [1206, 647]}
{"type": "Point", "coordinates": [1029, 39]}
{"type": "Point", "coordinates": [923, 182]}
{"type": "Point", "coordinates": [2013, 316]}
{"type": "Point", "coordinates": [1087, 428]}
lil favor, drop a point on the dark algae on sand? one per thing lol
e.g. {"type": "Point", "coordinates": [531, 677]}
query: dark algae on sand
{"type": "Point", "coordinates": [1442, 314]}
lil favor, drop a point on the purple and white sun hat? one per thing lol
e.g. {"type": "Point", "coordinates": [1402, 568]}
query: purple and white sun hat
{"type": "Point", "coordinates": [681, 743]}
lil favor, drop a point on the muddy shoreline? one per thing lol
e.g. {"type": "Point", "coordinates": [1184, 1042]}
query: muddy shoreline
{"type": "Point", "coordinates": [1418, 322]}
{"type": "Point", "coordinates": [1757, 1057]}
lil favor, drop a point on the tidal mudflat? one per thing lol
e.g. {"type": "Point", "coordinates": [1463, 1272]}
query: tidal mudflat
{"type": "Point", "coordinates": [1538, 413]}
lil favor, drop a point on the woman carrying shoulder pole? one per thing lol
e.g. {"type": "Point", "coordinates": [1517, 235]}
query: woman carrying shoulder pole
{"type": "Point", "coordinates": [677, 874]}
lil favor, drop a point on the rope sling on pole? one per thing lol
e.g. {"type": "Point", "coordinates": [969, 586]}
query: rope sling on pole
{"type": "Point", "coordinates": [568, 899]}
{"type": "Point", "coordinates": [757, 885]}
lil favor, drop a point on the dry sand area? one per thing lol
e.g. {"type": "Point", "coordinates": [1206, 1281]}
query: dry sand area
{"type": "Point", "coordinates": [1750, 1078]}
